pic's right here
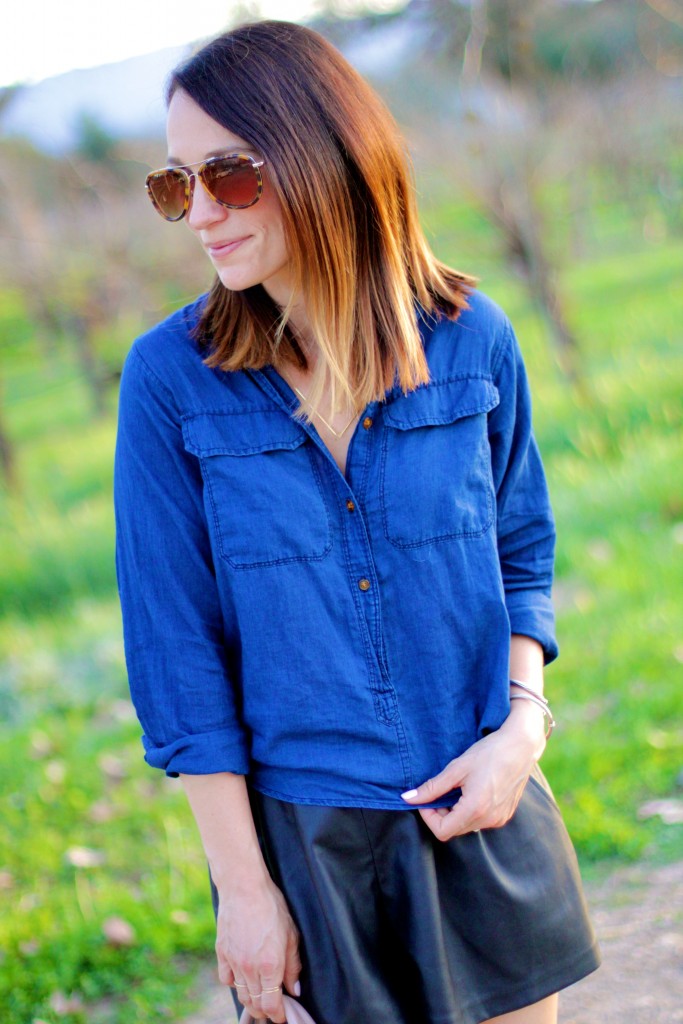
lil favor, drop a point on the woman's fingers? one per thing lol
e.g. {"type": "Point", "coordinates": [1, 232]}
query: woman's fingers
{"type": "Point", "coordinates": [450, 778]}
{"type": "Point", "coordinates": [263, 996]}
{"type": "Point", "coordinates": [259, 989]}
{"type": "Point", "coordinates": [491, 776]}
{"type": "Point", "coordinates": [271, 992]}
{"type": "Point", "coordinates": [225, 975]}
{"type": "Point", "coordinates": [258, 980]}
{"type": "Point", "coordinates": [447, 822]}
{"type": "Point", "coordinates": [262, 1000]}
{"type": "Point", "coordinates": [292, 964]}
{"type": "Point", "coordinates": [444, 822]}
{"type": "Point", "coordinates": [242, 990]}
{"type": "Point", "coordinates": [479, 807]}
{"type": "Point", "coordinates": [271, 1000]}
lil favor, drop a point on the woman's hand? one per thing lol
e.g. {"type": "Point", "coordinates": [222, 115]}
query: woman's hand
{"type": "Point", "coordinates": [257, 946]}
{"type": "Point", "coordinates": [491, 774]}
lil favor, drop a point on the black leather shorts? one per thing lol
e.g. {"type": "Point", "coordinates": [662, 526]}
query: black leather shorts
{"type": "Point", "coordinates": [399, 928]}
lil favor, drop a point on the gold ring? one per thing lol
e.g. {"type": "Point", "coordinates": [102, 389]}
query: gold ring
{"type": "Point", "coordinates": [278, 988]}
{"type": "Point", "coordinates": [238, 984]}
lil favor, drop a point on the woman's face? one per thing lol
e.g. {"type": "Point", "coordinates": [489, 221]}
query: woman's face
{"type": "Point", "coordinates": [247, 247]}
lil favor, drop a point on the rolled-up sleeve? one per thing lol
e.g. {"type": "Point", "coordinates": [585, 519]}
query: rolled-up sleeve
{"type": "Point", "coordinates": [176, 651]}
{"type": "Point", "coordinates": [525, 525]}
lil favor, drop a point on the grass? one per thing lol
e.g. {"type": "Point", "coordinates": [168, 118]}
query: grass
{"type": "Point", "coordinates": [89, 834]}
{"type": "Point", "coordinates": [78, 805]}
{"type": "Point", "coordinates": [70, 756]}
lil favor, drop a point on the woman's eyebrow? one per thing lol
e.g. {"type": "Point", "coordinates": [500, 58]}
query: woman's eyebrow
{"type": "Point", "coordinates": [172, 161]}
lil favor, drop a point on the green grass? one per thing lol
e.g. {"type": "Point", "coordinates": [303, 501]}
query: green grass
{"type": "Point", "coordinates": [613, 447]}
{"type": "Point", "coordinates": [70, 755]}
{"type": "Point", "coordinates": [71, 760]}
{"type": "Point", "coordinates": [76, 783]}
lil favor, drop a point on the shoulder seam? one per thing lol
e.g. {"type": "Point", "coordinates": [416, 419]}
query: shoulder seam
{"type": "Point", "coordinates": [506, 336]}
{"type": "Point", "coordinates": [159, 382]}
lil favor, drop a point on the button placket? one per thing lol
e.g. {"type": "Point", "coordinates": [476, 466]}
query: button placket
{"type": "Point", "coordinates": [361, 568]}
{"type": "Point", "coordinates": [363, 564]}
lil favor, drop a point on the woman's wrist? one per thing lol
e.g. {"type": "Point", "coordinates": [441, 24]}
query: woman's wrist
{"type": "Point", "coordinates": [531, 694]}
{"type": "Point", "coordinates": [527, 722]}
{"type": "Point", "coordinates": [220, 804]}
{"type": "Point", "coordinates": [240, 877]}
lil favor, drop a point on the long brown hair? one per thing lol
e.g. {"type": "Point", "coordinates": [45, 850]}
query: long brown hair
{"type": "Point", "coordinates": [360, 261]}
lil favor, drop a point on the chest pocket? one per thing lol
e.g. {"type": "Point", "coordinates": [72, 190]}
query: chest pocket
{"type": "Point", "coordinates": [264, 493]}
{"type": "Point", "coordinates": [436, 481]}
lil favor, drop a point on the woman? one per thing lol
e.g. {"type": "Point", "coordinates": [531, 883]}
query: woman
{"type": "Point", "coordinates": [335, 554]}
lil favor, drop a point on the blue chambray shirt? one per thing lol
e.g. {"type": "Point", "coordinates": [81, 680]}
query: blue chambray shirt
{"type": "Point", "coordinates": [338, 638]}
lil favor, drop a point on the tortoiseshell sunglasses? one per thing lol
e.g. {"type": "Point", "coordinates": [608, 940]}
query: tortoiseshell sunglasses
{"type": "Point", "coordinates": [233, 180]}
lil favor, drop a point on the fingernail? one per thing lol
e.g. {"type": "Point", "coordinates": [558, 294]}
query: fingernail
{"type": "Point", "coordinates": [410, 794]}
{"type": "Point", "coordinates": [297, 988]}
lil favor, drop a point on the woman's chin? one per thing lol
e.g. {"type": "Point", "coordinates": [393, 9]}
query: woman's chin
{"type": "Point", "coordinates": [235, 282]}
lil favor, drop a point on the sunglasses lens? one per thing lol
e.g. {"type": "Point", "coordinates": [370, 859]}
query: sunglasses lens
{"type": "Point", "coordinates": [167, 191]}
{"type": "Point", "coordinates": [232, 181]}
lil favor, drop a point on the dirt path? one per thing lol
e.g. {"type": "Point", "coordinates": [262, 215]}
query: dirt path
{"type": "Point", "coordinates": [638, 915]}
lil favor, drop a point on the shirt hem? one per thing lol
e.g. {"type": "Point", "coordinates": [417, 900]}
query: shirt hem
{"type": "Point", "coordinates": [366, 803]}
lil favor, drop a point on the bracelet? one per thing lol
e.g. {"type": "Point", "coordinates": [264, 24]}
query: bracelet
{"type": "Point", "coordinates": [529, 689]}
{"type": "Point", "coordinates": [538, 699]}
{"type": "Point", "coordinates": [544, 708]}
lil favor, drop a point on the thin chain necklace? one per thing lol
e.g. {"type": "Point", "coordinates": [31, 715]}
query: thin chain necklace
{"type": "Point", "coordinates": [336, 433]}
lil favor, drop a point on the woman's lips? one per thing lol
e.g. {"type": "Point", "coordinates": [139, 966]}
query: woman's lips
{"type": "Point", "coordinates": [218, 249]}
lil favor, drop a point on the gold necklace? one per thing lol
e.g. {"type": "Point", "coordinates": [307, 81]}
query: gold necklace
{"type": "Point", "coordinates": [336, 433]}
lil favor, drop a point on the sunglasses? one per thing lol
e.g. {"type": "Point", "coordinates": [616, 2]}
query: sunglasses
{"type": "Point", "coordinates": [234, 181]}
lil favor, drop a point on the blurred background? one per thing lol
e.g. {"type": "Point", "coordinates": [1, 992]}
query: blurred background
{"type": "Point", "coordinates": [547, 140]}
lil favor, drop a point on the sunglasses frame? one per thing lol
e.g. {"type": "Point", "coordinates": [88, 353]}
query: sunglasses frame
{"type": "Point", "coordinates": [190, 177]}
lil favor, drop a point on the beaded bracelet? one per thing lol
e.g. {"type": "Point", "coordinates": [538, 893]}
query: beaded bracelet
{"type": "Point", "coordinates": [536, 698]}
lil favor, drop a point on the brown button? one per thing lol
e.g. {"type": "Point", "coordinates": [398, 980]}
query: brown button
{"type": "Point", "coordinates": [364, 584]}
{"type": "Point", "coordinates": [367, 422]}
{"type": "Point", "coordinates": [350, 505]}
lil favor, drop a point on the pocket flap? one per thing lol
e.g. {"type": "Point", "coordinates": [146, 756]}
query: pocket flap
{"type": "Point", "coordinates": [437, 404]}
{"type": "Point", "coordinates": [248, 433]}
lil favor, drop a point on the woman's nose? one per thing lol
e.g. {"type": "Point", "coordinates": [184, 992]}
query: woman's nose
{"type": "Point", "coordinates": [203, 210]}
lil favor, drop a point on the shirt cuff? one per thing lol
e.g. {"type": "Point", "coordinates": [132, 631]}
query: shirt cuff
{"type": "Point", "coordinates": [531, 614]}
{"type": "Point", "coordinates": [202, 754]}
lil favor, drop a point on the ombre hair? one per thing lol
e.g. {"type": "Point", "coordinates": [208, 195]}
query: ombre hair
{"type": "Point", "coordinates": [360, 262]}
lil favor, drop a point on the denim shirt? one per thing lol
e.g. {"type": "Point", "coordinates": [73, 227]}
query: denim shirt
{"type": "Point", "coordinates": [337, 637]}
